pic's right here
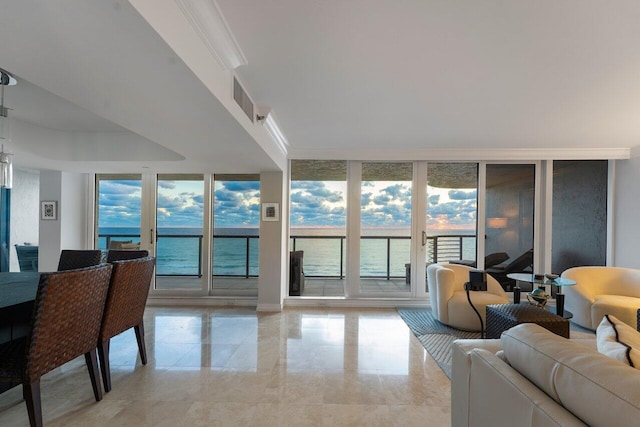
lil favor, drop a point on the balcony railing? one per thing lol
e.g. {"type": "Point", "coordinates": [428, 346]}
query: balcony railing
{"type": "Point", "coordinates": [439, 248]}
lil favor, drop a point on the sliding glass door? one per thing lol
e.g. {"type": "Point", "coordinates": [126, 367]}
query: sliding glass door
{"type": "Point", "coordinates": [179, 235]}
{"type": "Point", "coordinates": [318, 212]}
{"type": "Point", "coordinates": [236, 234]}
{"type": "Point", "coordinates": [118, 211]}
{"type": "Point", "coordinates": [509, 221]}
{"type": "Point", "coordinates": [452, 213]}
{"type": "Point", "coordinates": [385, 227]}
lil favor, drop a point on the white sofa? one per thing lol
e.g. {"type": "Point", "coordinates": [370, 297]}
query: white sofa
{"type": "Point", "coordinates": [600, 291]}
{"type": "Point", "coordinates": [532, 377]}
{"type": "Point", "coordinates": [449, 299]}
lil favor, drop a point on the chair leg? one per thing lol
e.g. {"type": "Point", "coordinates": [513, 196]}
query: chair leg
{"type": "Point", "coordinates": [103, 354]}
{"type": "Point", "coordinates": [139, 329]}
{"type": "Point", "coordinates": [31, 394]}
{"type": "Point", "coordinates": [94, 373]}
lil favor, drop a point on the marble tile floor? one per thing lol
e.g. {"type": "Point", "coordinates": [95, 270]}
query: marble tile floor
{"type": "Point", "coordinates": [232, 366]}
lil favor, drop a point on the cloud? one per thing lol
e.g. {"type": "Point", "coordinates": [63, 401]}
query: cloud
{"type": "Point", "coordinates": [236, 204]}
{"type": "Point", "coordinates": [170, 185]}
{"type": "Point", "coordinates": [242, 186]}
{"type": "Point", "coordinates": [453, 213]}
{"type": "Point", "coordinates": [119, 203]}
{"type": "Point", "coordinates": [462, 194]}
{"type": "Point", "coordinates": [314, 204]}
{"type": "Point", "coordinates": [433, 200]}
{"type": "Point", "coordinates": [388, 207]}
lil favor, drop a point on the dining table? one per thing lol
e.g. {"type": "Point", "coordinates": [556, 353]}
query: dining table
{"type": "Point", "coordinates": [17, 296]}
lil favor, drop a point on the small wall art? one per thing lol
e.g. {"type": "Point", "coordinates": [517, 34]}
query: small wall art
{"type": "Point", "coordinates": [49, 209]}
{"type": "Point", "coordinates": [270, 212]}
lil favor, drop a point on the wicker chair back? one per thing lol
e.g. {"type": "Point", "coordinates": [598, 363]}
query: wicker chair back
{"type": "Point", "coordinates": [74, 259]}
{"type": "Point", "coordinates": [67, 317]}
{"type": "Point", "coordinates": [125, 254]}
{"type": "Point", "coordinates": [127, 296]}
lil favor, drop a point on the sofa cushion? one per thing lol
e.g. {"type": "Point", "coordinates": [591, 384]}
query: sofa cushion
{"type": "Point", "coordinates": [619, 341]}
{"type": "Point", "coordinates": [594, 387]}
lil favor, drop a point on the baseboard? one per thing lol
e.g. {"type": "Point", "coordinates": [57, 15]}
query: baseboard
{"type": "Point", "coordinates": [157, 301]}
{"type": "Point", "coordinates": [338, 302]}
{"type": "Point", "coordinates": [269, 307]}
{"type": "Point", "coordinates": [355, 303]}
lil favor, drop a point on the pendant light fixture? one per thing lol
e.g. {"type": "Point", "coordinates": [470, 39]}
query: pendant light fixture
{"type": "Point", "coordinates": [6, 159]}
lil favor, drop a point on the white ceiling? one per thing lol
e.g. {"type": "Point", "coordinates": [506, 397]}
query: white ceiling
{"type": "Point", "coordinates": [423, 74]}
{"type": "Point", "coordinates": [347, 79]}
{"type": "Point", "coordinates": [93, 72]}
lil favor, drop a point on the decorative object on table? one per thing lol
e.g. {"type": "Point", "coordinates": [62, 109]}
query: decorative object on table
{"type": "Point", "coordinates": [516, 293]}
{"type": "Point", "coordinates": [550, 280]}
{"type": "Point", "coordinates": [49, 209]}
{"type": "Point", "coordinates": [538, 297]}
{"type": "Point", "coordinates": [6, 159]}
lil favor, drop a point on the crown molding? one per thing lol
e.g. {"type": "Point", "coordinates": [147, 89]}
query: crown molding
{"type": "Point", "coordinates": [635, 151]}
{"type": "Point", "coordinates": [497, 154]}
{"type": "Point", "coordinates": [271, 125]}
{"type": "Point", "coordinates": [208, 22]}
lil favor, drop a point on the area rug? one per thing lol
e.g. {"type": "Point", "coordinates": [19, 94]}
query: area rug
{"type": "Point", "coordinates": [435, 337]}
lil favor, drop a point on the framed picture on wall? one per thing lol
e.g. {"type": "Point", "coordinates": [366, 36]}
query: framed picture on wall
{"type": "Point", "coordinates": [49, 209]}
{"type": "Point", "coordinates": [270, 212]}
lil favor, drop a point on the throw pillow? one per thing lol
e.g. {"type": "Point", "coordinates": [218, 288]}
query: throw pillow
{"type": "Point", "coordinates": [618, 341]}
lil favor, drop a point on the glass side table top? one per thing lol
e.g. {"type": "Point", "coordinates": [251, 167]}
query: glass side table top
{"type": "Point", "coordinates": [528, 277]}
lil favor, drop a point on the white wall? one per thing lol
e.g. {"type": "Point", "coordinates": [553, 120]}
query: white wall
{"type": "Point", "coordinates": [273, 245]}
{"type": "Point", "coordinates": [69, 231]}
{"type": "Point", "coordinates": [24, 211]}
{"type": "Point", "coordinates": [73, 213]}
{"type": "Point", "coordinates": [627, 213]}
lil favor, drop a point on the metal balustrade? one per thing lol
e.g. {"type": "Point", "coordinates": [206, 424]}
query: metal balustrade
{"type": "Point", "coordinates": [439, 248]}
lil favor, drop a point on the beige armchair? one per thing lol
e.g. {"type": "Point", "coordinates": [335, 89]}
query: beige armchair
{"type": "Point", "coordinates": [449, 300]}
{"type": "Point", "coordinates": [600, 291]}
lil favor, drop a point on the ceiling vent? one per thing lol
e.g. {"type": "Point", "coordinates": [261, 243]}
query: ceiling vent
{"type": "Point", "coordinates": [242, 99]}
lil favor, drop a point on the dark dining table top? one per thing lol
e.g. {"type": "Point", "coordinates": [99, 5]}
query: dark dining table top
{"type": "Point", "coordinates": [18, 288]}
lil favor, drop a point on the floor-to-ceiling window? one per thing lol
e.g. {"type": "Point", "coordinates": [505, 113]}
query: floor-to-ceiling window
{"type": "Point", "coordinates": [236, 230]}
{"type": "Point", "coordinates": [318, 223]}
{"type": "Point", "coordinates": [510, 209]}
{"type": "Point", "coordinates": [118, 211]}
{"type": "Point", "coordinates": [179, 216]}
{"type": "Point", "coordinates": [385, 226]}
{"type": "Point", "coordinates": [452, 212]}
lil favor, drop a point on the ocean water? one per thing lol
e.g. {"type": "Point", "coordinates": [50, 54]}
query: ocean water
{"type": "Point", "coordinates": [178, 249]}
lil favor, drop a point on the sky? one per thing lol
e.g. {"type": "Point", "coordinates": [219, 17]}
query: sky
{"type": "Point", "coordinates": [313, 204]}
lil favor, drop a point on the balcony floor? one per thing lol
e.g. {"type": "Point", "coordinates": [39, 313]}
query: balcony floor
{"type": "Point", "coordinates": [314, 287]}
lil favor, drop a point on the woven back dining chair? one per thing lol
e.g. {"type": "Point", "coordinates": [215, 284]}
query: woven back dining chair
{"type": "Point", "coordinates": [124, 308]}
{"type": "Point", "coordinates": [124, 254]}
{"type": "Point", "coordinates": [74, 259]}
{"type": "Point", "coordinates": [66, 321]}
